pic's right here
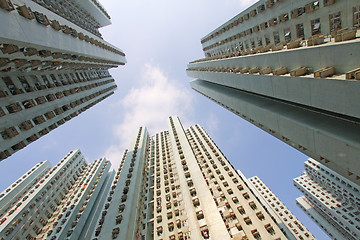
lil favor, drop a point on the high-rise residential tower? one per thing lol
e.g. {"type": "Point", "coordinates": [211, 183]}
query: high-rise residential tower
{"type": "Point", "coordinates": [284, 218]}
{"type": "Point", "coordinates": [54, 65]}
{"type": "Point", "coordinates": [176, 184]}
{"type": "Point", "coordinates": [331, 200]}
{"type": "Point", "coordinates": [289, 68]}
{"type": "Point", "coordinates": [55, 201]}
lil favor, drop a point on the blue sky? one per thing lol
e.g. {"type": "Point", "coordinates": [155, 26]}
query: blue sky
{"type": "Point", "coordinates": [159, 38]}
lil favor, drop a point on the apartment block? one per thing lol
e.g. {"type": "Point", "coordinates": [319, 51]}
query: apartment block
{"type": "Point", "coordinates": [289, 68]}
{"type": "Point", "coordinates": [54, 65]}
{"type": "Point", "coordinates": [178, 185]}
{"type": "Point", "coordinates": [126, 207]}
{"type": "Point", "coordinates": [291, 226]}
{"type": "Point", "coordinates": [61, 202]}
{"type": "Point", "coordinates": [331, 200]}
{"type": "Point", "coordinates": [25, 216]}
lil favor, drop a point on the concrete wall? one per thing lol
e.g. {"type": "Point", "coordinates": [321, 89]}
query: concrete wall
{"type": "Point", "coordinates": [327, 139]}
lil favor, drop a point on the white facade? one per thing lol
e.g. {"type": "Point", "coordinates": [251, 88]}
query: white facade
{"type": "Point", "coordinates": [332, 198]}
{"type": "Point", "coordinates": [279, 79]}
{"type": "Point", "coordinates": [54, 65]}
{"type": "Point", "coordinates": [56, 203]}
{"type": "Point", "coordinates": [30, 212]}
{"type": "Point", "coordinates": [284, 218]}
{"type": "Point", "coordinates": [178, 185]}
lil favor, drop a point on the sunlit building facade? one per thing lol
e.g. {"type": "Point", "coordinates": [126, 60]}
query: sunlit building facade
{"type": "Point", "coordinates": [53, 202]}
{"type": "Point", "coordinates": [178, 185]}
{"type": "Point", "coordinates": [291, 226]}
{"type": "Point", "coordinates": [331, 200]}
{"type": "Point", "coordinates": [54, 65]}
{"type": "Point", "coordinates": [289, 68]}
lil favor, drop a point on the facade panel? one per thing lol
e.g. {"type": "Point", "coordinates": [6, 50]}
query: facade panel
{"type": "Point", "coordinates": [54, 65]}
{"type": "Point", "coordinates": [284, 218]}
{"type": "Point", "coordinates": [331, 200]}
{"type": "Point", "coordinates": [289, 68]}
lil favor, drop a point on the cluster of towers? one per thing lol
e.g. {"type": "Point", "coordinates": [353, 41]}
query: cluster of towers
{"type": "Point", "coordinates": [289, 68]}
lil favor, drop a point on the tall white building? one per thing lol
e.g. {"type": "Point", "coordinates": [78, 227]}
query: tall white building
{"type": "Point", "coordinates": [331, 200]}
{"type": "Point", "coordinates": [55, 203]}
{"type": "Point", "coordinates": [289, 68]}
{"type": "Point", "coordinates": [54, 65]}
{"type": "Point", "coordinates": [178, 185]}
{"type": "Point", "coordinates": [291, 226]}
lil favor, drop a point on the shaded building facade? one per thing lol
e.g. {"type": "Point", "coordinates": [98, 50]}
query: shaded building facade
{"type": "Point", "coordinates": [331, 200]}
{"type": "Point", "coordinates": [176, 184]}
{"type": "Point", "coordinates": [60, 200]}
{"type": "Point", "coordinates": [54, 65]}
{"type": "Point", "coordinates": [288, 68]}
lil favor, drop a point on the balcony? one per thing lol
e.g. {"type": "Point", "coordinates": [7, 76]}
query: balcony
{"type": "Point", "coordinates": [256, 234]}
{"type": "Point", "coordinates": [171, 226]}
{"type": "Point", "coordinates": [159, 230]}
{"type": "Point", "coordinates": [205, 232]}
{"type": "Point", "coordinates": [241, 210]}
{"type": "Point", "coordinates": [260, 215]}
{"type": "Point", "coordinates": [118, 219]}
{"type": "Point", "coordinates": [193, 192]}
{"type": "Point", "coordinates": [246, 195]}
{"type": "Point", "coordinates": [200, 214]}
{"type": "Point", "coordinates": [270, 229]}
{"type": "Point", "coordinates": [190, 183]}
{"type": "Point", "coordinates": [247, 220]}
{"type": "Point", "coordinates": [115, 232]}
{"type": "Point", "coordinates": [159, 219]}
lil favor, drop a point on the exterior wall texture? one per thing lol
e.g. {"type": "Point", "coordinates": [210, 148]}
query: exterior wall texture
{"type": "Point", "coordinates": [293, 228]}
{"type": "Point", "coordinates": [54, 65]}
{"type": "Point", "coordinates": [176, 184]}
{"type": "Point", "coordinates": [301, 89]}
{"type": "Point", "coordinates": [183, 188]}
{"type": "Point", "coordinates": [28, 215]}
{"type": "Point", "coordinates": [331, 200]}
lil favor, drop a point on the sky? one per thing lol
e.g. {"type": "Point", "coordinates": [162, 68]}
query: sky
{"type": "Point", "coordinates": [159, 38]}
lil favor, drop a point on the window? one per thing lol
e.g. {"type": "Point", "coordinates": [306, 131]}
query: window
{"type": "Point", "coordinates": [328, 2]}
{"type": "Point", "coordinates": [246, 44]}
{"type": "Point", "coordinates": [315, 26]}
{"type": "Point", "coordinates": [264, 25]}
{"type": "Point", "coordinates": [276, 37]}
{"type": "Point", "coordinates": [25, 84]}
{"type": "Point", "coordinates": [36, 82]}
{"type": "Point", "coordinates": [259, 41]}
{"type": "Point", "coordinates": [273, 22]}
{"type": "Point", "coordinates": [247, 220]}
{"type": "Point", "coordinates": [10, 85]}
{"type": "Point", "coordinates": [284, 17]}
{"type": "Point", "coordinates": [335, 21]}
{"type": "Point", "coordinates": [287, 34]}
{"type": "Point", "coordinates": [297, 12]}
{"type": "Point", "coordinates": [356, 16]}
{"type": "Point", "coordinates": [267, 39]}
{"type": "Point", "coordinates": [241, 210]}
{"type": "Point", "coordinates": [312, 6]}
{"type": "Point", "coordinates": [300, 31]}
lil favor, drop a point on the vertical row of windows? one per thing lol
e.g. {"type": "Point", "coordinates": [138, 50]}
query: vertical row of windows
{"type": "Point", "coordinates": [226, 195]}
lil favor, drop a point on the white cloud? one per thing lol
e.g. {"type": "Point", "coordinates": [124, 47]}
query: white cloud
{"type": "Point", "coordinates": [212, 124]}
{"type": "Point", "coordinates": [157, 98]}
